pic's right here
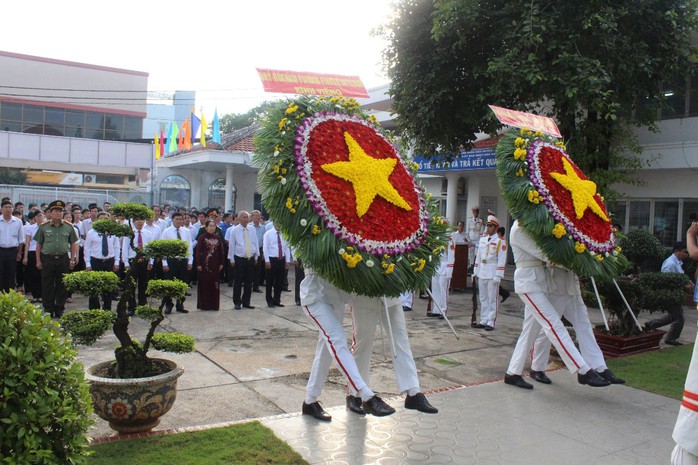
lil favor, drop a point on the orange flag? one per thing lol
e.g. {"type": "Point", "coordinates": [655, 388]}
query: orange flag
{"type": "Point", "coordinates": [186, 136]}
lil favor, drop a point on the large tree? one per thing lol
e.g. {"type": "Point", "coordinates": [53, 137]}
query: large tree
{"type": "Point", "coordinates": [596, 67]}
{"type": "Point", "coordinates": [232, 121]}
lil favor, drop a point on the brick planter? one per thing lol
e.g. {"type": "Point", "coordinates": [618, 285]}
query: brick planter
{"type": "Point", "coordinates": [619, 346]}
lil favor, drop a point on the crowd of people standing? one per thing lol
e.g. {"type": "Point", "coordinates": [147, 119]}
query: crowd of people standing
{"type": "Point", "coordinates": [42, 243]}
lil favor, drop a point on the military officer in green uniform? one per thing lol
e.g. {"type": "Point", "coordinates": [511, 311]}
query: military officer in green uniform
{"type": "Point", "coordinates": [54, 240]}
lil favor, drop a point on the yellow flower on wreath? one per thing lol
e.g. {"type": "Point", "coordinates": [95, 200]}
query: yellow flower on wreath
{"type": "Point", "coordinates": [520, 142]}
{"type": "Point", "coordinates": [316, 229]}
{"type": "Point", "coordinates": [599, 258]}
{"type": "Point", "coordinates": [390, 268]}
{"type": "Point", "coordinates": [352, 259]}
{"type": "Point", "coordinates": [534, 197]}
{"type": "Point", "coordinates": [419, 265]}
{"type": "Point", "coordinates": [520, 154]}
{"type": "Point", "coordinates": [559, 230]}
{"type": "Point", "coordinates": [282, 123]}
{"type": "Point", "coordinates": [579, 247]}
{"type": "Point", "coordinates": [292, 108]}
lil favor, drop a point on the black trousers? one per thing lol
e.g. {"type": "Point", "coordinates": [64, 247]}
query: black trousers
{"type": "Point", "coordinates": [52, 287]}
{"type": "Point", "coordinates": [32, 275]}
{"type": "Point", "coordinates": [244, 275]}
{"type": "Point", "coordinates": [260, 271]}
{"type": "Point", "coordinates": [139, 270]}
{"type": "Point", "coordinates": [275, 280]}
{"type": "Point", "coordinates": [673, 316]}
{"type": "Point", "coordinates": [99, 264]}
{"type": "Point", "coordinates": [300, 275]}
{"type": "Point", "coordinates": [8, 268]}
{"type": "Point", "coordinates": [178, 270]}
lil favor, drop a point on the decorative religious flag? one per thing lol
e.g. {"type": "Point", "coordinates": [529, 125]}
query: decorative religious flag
{"type": "Point", "coordinates": [195, 122]}
{"type": "Point", "coordinates": [157, 146]}
{"type": "Point", "coordinates": [298, 82]}
{"type": "Point", "coordinates": [186, 134]}
{"type": "Point", "coordinates": [162, 143]}
{"type": "Point", "coordinates": [519, 119]}
{"type": "Point", "coordinates": [204, 128]}
{"type": "Point", "coordinates": [172, 138]}
{"type": "Point", "coordinates": [216, 128]}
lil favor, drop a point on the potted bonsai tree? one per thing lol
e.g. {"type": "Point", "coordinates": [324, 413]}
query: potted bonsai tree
{"type": "Point", "coordinates": [644, 288]}
{"type": "Point", "coordinates": [132, 391]}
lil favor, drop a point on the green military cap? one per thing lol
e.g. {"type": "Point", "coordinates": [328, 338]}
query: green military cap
{"type": "Point", "coordinates": [59, 204]}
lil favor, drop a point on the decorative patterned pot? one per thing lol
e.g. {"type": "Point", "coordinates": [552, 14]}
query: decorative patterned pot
{"type": "Point", "coordinates": [133, 405]}
{"type": "Point", "coordinates": [619, 346]}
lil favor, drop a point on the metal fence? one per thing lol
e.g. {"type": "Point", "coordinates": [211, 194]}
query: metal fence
{"type": "Point", "coordinates": [40, 194]}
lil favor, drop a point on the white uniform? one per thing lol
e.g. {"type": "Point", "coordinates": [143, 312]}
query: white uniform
{"type": "Point", "coordinates": [566, 297]}
{"type": "Point", "coordinates": [474, 228]}
{"type": "Point", "coordinates": [325, 304]}
{"type": "Point", "coordinates": [366, 312]}
{"type": "Point", "coordinates": [407, 299]}
{"type": "Point", "coordinates": [531, 284]}
{"type": "Point", "coordinates": [440, 280]}
{"type": "Point", "coordinates": [686, 428]}
{"type": "Point", "coordinates": [490, 263]}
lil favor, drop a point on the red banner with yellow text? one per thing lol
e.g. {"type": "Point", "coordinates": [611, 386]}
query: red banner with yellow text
{"type": "Point", "coordinates": [298, 82]}
{"type": "Point", "coordinates": [519, 119]}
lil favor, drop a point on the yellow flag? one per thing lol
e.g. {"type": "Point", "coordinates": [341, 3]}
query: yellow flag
{"type": "Point", "coordinates": [204, 128]}
{"type": "Point", "coordinates": [157, 147]}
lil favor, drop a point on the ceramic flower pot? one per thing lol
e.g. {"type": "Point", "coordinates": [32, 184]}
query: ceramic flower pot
{"type": "Point", "coordinates": [619, 346]}
{"type": "Point", "coordinates": [133, 405]}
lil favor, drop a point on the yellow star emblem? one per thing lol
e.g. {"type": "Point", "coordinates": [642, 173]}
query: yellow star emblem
{"type": "Point", "coordinates": [368, 175]}
{"type": "Point", "coordinates": [582, 191]}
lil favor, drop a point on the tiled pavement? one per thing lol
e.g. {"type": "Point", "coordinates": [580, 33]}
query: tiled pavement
{"type": "Point", "coordinates": [254, 364]}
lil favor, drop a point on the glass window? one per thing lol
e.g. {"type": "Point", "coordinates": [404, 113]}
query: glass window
{"type": "Point", "coordinates": [133, 127]}
{"type": "Point", "coordinates": [75, 118]}
{"type": "Point", "coordinates": [33, 114]}
{"type": "Point", "coordinates": [690, 214]}
{"type": "Point", "coordinates": [14, 126]}
{"type": "Point", "coordinates": [666, 221]}
{"type": "Point", "coordinates": [94, 125]}
{"type": "Point", "coordinates": [618, 211]}
{"type": "Point", "coordinates": [639, 215]}
{"type": "Point", "coordinates": [55, 117]}
{"type": "Point", "coordinates": [113, 127]}
{"type": "Point", "coordinates": [74, 131]}
{"type": "Point", "coordinates": [10, 112]}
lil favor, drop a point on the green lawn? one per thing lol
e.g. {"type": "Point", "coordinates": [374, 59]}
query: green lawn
{"type": "Point", "coordinates": [246, 443]}
{"type": "Point", "coordinates": [662, 371]}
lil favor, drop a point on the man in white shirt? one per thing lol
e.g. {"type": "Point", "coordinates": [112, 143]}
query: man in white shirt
{"type": "Point", "coordinates": [32, 276]}
{"type": "Point", "coordinates": [243, 253]}
{"type": "Point", "coordinates": [277, 257]}
{"type": "Point", "coordinates": [178, 267]}
{"type": "Point", "coordinates": [475, 228]}
{"type": "Point", "coordinates": [102, 253]}
{"type": "Point", "coordinates": [11, 236]}
{"type": "Point", "coordinates": [133, 258]}
{"type": "Point", "coordinates": [158, 221]}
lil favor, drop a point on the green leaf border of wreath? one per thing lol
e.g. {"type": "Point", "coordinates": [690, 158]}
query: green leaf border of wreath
{"type": "Point", "coordinates": [286, 202]}
{"type": "Point", "coordinates": [514, 182]}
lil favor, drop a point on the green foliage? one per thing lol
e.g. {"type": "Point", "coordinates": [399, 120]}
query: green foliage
{"type": "Point", "coordinates": [662, 291]}
{"type": "Point", "coordinates": [148, 313]}
{"type": "Point", "coordinates": [589, 65]}
{"type": "Point", "coordinates": [642, 248]}
{"type": "Point", "coordinates": [45, 405]}
{"type": "Point", "coordinates": [173, 342]}
{"type": "Point", "coordinates": [91, 283]}
{"type": "Point", "coordinates": [12, 176]}
{"type": "Point", "coordinates": [234, 121]}
{"type": "Point", "coordinates": [164, 288]}
{"type": "Point", "coordinates": [166, 249]}
{"type": "Point", "coordinates": [131, 211]}
{"type": "Point", "coordinates": [86, 327]}
{"type": "Point", "coordinates": [112, 228]}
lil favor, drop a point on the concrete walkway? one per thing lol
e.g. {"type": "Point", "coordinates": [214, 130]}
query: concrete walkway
{"type": "Point", "coordinates": [254, 364]}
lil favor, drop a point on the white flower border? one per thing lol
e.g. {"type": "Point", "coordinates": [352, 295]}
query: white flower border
{"type": "Point", "coordinates": [538, 182]}
{"type": "Point", "coordinates": [305, 173]}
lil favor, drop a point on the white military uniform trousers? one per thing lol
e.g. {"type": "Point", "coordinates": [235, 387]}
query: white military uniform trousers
{"type": "Point", "coordinates": [489, 301]}
{"type": "Point", "coordinates": [573, 308]}
{"type": "Point", "coordinates": [540, 313]}
{"type": "Point", "coordinates": [686, 428]}
{"type": "Point", "coordinates": [407, 299]}
{"type": "Point", "coordinates": [328, 316]}
{"type": "Point", "coordinates": [366, 313]}
{"type": "Point", "coordinates": [439, 290]}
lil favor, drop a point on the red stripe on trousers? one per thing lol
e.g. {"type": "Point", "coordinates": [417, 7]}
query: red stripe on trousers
{"type": "Point", "coordinates": [690, 406]}
{"type": "Point", "coordinates": [334, 352]}
{"type": "Point", "coordinates": [690, 395]}
{"type": "Point", "coordinates": [553, 330]}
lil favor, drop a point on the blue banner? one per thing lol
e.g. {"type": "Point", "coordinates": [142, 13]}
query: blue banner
{"type": "Point", "coordinates": [471, 160]}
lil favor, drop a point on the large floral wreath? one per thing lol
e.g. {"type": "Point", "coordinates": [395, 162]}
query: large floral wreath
{"type": "Point", "coordinates": [345, 199]}
{"type": "Point", "coordinates": [557, 204]}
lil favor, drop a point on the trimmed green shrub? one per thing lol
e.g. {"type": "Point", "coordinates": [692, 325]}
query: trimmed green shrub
{"type": "Point", "coordinates": [166, 248]}
{"type": "Point", "coordinates": [642, 249]}
{"type": "Point", "coordinates": [164, 288]}
{"type": "Point", "coordinates": [173, 342]}
{"type": "Point", "coordinates": [662, 291]}
{"type": "Point", "coordinates": [92, 283]}
{"type": "Point", "coordinates": [45, 404]}
{"type": "Point", "coordinates": [87, 327]}
{"type": "Point", "coordinates": [112, 228]}
{"type": "Point", "coordinates": [132, 211]}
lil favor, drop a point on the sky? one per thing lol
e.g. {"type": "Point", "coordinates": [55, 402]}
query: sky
{"type": "Point", "coordinates": [210, 46]}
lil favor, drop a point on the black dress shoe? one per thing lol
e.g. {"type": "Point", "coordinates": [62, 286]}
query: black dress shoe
{"type": "Point", "coordinates": [593, 379]}
{"type": "Point", "coordinates": [610, 376]}
{"type": "Point", "coordinates": [405, 308]}
{"type": "Point", "coordinates": [238, 306]}
{"type": "Point", "coordinates": [280, 305]}
{"type": "Point", "coordinates": [251, 307]}
{"type": "Point", "coordinates": [433, 315]}
{"type": "Point", "coordinates": [419, 402]}
{"type": "Point", "coordinates": [287, 290]}
{"type": "Point", "coordinates": [270, 305]}
{"type": "Point", "coordinates": [354, 404]}
{"type": "Point", "coordinates": [489, 328]}
{"type": "Point", "coordinates": [168, 310]}
{"type": "Point", "coordinates": [518, 381]}
{"type": "Point", "coordinates": [187, 294]}
{"type": "Point", "coordinates": [673, 342]}
{"type": "Point", "coordinates": [376, 406]}
{"type": "Point", "coordinates": [182, 310]}
{"type": "Point", "coordinates": [477, 325]}
{"type": "Point", "coordinates": [316, 411]}
{"type": "Point", "coordinates": [541, 377]}
{"type": "Point", "coordinates": [441, 316]}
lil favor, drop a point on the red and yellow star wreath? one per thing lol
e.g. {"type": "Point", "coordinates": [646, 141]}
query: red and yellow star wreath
{"type": "Point", "coordinates": [345, 198]}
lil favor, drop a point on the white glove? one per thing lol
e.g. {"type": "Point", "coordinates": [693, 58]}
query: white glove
{"type": "Point", "coordinates": [497, 280]}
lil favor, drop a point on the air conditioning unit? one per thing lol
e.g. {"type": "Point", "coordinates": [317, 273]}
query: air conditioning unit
{"type": "Point", "coordinates": [89, 179]}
